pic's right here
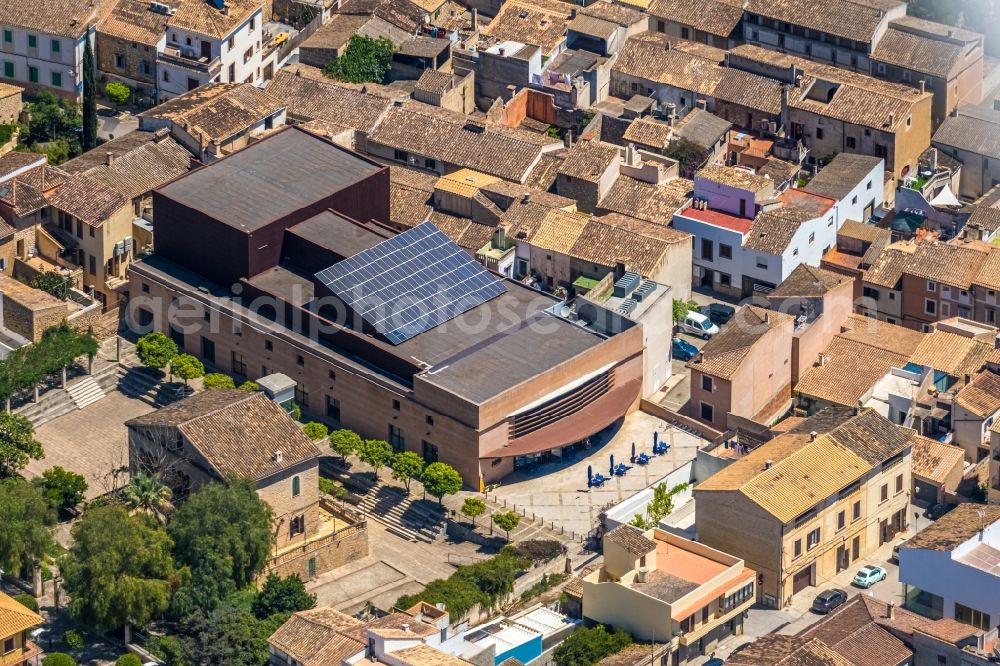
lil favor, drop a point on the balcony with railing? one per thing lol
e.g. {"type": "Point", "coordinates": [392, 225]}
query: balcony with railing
{"type": "Point", "coordinates": [180, 57]}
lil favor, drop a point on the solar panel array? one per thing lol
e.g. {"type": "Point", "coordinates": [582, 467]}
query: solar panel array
{"type": "Point", "coordinates": [411, 283]}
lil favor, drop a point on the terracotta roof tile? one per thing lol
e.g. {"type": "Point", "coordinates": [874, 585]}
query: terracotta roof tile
{"type": "Point", "coordinates": [89, 199]}
{"type": "Point", "coordinates": [948, 630]}
{"type": "Point", "coordinates": [935, 460]}
{"type": "Point", "coordinates": [588, 160]}
{"type": "Point", "coordinates": [65, 18]}
{"type": "Point", "coordinates": [955, 527]}
{"type": "Point", "coordinates": [203, 17]}
{"type": "Point", "coordinates": [649, 58]}
{"type": "Point", "coordinates": [981, 396]}
{"type": "Point", "coordinates": [808, 282]}
{"type": "Point", "coordinates": [310, 98]}
{"type": "Point", "coordinates": [653, 203]}
{"type": "Point", "coordinates": [15, 618]}
{"type": "Point", "coordinates": [539, 23]}
{"type": "Point", "coordinates": [975, 131]}
{"type": "Point", "coordinates": [726, 351]}
{"type": "Point", "coordinates": [778, 650]}
{"type": "Point", "coordinates": [134, 21]}
{"type": "Point", "coordinates": [843, 18]}
{"type": "Point", "coordinates": [716, 17]}
{"type": "Point", "coordinates": [631, 539]}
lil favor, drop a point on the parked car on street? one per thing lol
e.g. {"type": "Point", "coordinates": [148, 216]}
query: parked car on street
{"type": "Point", "coordinates": [938, 510]}
{"type": "Point", "coordinates": [895, 550]}
{"type": "Point", "coordinates": [869, 575]}
{"type": "Point", "coordinates": [697, 324]}
{"type": "Point", "coordinates": [683, 350]}
{"type": "Point", "coordinates": [714, 661]}
{"type": "Point", "coordinates": [827, 600]}
{"type": "Point", "coordinates": [719, 313]}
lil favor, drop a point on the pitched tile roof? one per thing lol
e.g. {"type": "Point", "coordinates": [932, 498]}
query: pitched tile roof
{"type": "Point", "coordinates": [204, 18]}
{"type": "Point", "coordinates": [726, 351]}
{"type": "Point", "coordinates": [773, 230]}
{"type": "Point", "coordinates": [646, 131]}
{"type": "Point", "coordinates": [803, 470]}
{"type": "Point", "coordinates": [888, 266]}
{"type": "Point", "coordinates": [314, 638]}
{"type": "Point", "coordinates": [952, 353]}
{"type": "Point", "coordinates": [653, 203]}
{"type": "Point", "coordinates": [588, 160]}
{"type": "Point", "coordinates": [631, 539]}
{"type": "Point", "coordinates": [655, 60]}
{"type": "Point", "coordinates": [460, 140]}
{"type": "Point", "coordinates": [88, 199]}
{"type": "Point", "coordinates": [134, 21]}
{"type": "Point", "coordinates": [977, 132]}
{"type": "Point", "coordinates": [849, 371]}
{"type": "Point", "coordinates": [778, 650]}
{"type": "Point", "coordinates": [842, 174]}
{"type": "Point", "coordinates": [935, 460]}
{"type": "Point", "coordinates": [65, 18]}
{"type": "Point", "coordinates": [702, 128]}
{"type": "Point", "coordinates": [808, 282]}
{"type": "Point", "coordinates": [751, 90]}
{"type": "Point", "coordinates": [218, 111]}
{"type": "Point", "coordinates": [955, 527]}
{"type": "Point", "coordinates": [989, 272]}
{"type": "Point", "coordinates": [739, 178]}
{"type": "Point", "coordinates": [843, 18]}
{"type": "Point", "coordinates": [981, 396]}
{"type": "Point", "coordinates": [948, 630]}
{"type": "Point", "coordinates": [611, 11]}
{"type": "Point", "coordinates": [141, 162]}
{"type": "Point", "coordinates": [716, 17]}
{"type": "Point", "coordinates": [323, 99]}
{"type": "Point", "coordinates": [539, 23]}
{"type": "Point", "coordinates": [858, 230]}
{"type": "Point", "coordinates": [30, 191]}
{"type": "Point", "coordinates": [237, 432]}
{"type": "Point", "coordinates": [15, 618]}
{"type": "Point", "coordinates": [861, 632]}
{"type": "Point", "coordinates": [909, 49]}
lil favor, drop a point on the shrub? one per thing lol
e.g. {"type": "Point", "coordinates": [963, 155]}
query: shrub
{"type": "Point", "coordinates": [52, 283]}
{"type": "Point", "coordinates": [217, 380]}
{"type": "Point", "coordinates": [156, 350]}
{"type": "Point", "coordinates": [118, 93]}
{"type": "Point", "coordinates": [27, 601]}
{"type": "Point", "coordinates": [365, 59]}
{"type": "Point", "coordinates": [539, 550]}
{"type": "Point", "coordinates": [295, 412]}
{"type": "Point", "coordinates": [64, 490]}
{"type": "Point", "coordinates": [167, 649]}
{"type": "Point", "coordinates": [74, 639]}
{"type": "Point", "coordinates": [547, 582]}
{"type": "Point", "coordinates": [249, 386]}
{"type": "Point", "coordinates": [316, 430]}
{"type": "Point", "coordinates": [330, 487]}
{"type": "Point", "coordinates": [589, 646]}
{"type": "Point", "coordinates": [58, 659]}
{"type": "Point", "coordinates": [128, 660]}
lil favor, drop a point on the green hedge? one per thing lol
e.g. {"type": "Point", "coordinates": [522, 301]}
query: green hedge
{"type": "Point", "coordinates": [27, 366]}
{"type": "Point", "coordinates": [482, 583]}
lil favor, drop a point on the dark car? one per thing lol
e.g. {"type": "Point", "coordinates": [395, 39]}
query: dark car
{"type": "Point", "coordinates": [714, 661]}
{"type": "Point", "coordinates": [718, 313]}
{"type": "Point", "coordinates": [938, 510]}
{"type": "Point", "coordinates": [684, 350]}
{"type": "Point", "coordinates": [827, 600]}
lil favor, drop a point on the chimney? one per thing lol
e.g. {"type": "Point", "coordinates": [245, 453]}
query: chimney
{"type": "Point", "coordinates": [526, 197]}
{"type": "Point", "coordinates": [812, 436]}
{"type": "Point", "coordinates": [822, 360]}
{"type": "Point", "coordinates": [768, 464]}
{"type": "Point", "coordinates": [951, 33]}
{"type": "Point", "coordinates": [923, 86]}
{"type": "Point", "coordinates": [767, 316]}
{"type": "Point", "coordinates": [568, 141]}
{"type": "Point", "coordinates": [700, 358]}
{"type": "Point", "coordinates": [572, 13]}
{"type": "Point", "coordinates": [666, 46]}
{"type": "Point", "coordinates": [890, 610]}
{"type": "Point", "coordinates": [892, 120]}
{"type": "Point", "coordinates": [109, 158]}
{"type": "Point", "coordinates": [404, 627]}
{"type": "Point", "coordinates": [276, 456]}
{"type": "Point", "coordinates": [702, 104]}
{"type": "Point", "coordinates": [298, 72]}
{"type": "Point", "coordinates": [475, 19]}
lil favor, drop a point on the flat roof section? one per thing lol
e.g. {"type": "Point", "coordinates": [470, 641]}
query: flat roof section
{"type": "Point", "coordinates": [270, 179]}
{"type": "Point", "coordinates": [717, 218]}
{"type": "Point", "coordinates": [338, 234]}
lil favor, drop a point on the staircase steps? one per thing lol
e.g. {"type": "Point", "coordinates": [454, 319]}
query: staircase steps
{"type": "Point", "coordinates": [404, 516]}
{"type": "Point", "coordinates": [85, 392]}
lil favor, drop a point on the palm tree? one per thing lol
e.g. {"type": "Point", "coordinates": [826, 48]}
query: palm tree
{"type": "Point", "coordinates": [147, 493]}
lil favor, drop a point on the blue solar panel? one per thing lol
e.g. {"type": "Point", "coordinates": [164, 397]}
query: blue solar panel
{"type": "Point", "coordinates": [411, 283]}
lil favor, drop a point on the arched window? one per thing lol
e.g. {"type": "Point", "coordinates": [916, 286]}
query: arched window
{"type": "Point", "coordinates": [296, 486]}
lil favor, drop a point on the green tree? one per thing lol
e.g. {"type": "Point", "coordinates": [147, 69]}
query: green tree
{"type": "Point", "coordinates": [282, 595]}
{"type": "Point", "coordinates": [473, 507]}
{"type": "Point", "coordinates": [147, 493]}
{"type": "Point", "coordinates": [662, 503]}
{"type": "Point", "coordinates": [345, 442]}
{"type": "Point", "coordinates": [64, 490]}
{"type": "Point", "coordinates": [53, 283]}
{"type": "Point", "coordinates": [364, 60]}
{"type": "Point", "coordinates": [689, 155]}
{"type": "Point", "coordinates": [315, 430]}
{"type": "Point", "coordinates": [128, 660]}
{"type": "Point", "coordinates": [217, 380]}
{"type": "Point", "coordinates": [26, 517]}
{"type": "Point", "coordinates": [407, 466]}
{"type": "Point", "coordinates": [52, 119]}
{"type": "Point", "coordinates": [507, 521]}
{"type": "Point", "coordinates": [223, 533]}
{"type": "Point", "coordinates": [167, 649]}
{"type": "Point", "coordinates": [156, 350]}
{"type": "Point", "coordinates": [588, 646]}
{"type": "Point", "coordinates": [230, 636]}
{"type": "Point", "coordinates": [118, 93]}
{"type": "Point", "coordinates": [73, 639]}
{"type": "Point", "coordinates": [441, 479]}
{"type": "Point", "coordinates": [187, 367]}
{"type": "Point", "coordinates": [27, 601]}
{"type": "Point", "coordinates": [17, 444]}
{"type": "Point", "coordinates": [249, 386]}
{"type": "Point", "coordinates": [58, 659]}
{"type": "Point", "coordinates": [681, 309]}
{"type": "Point", "coordinates": [377, 453]}
{"type": "Point", "coordinates": [89, 137]}
{"type": "Point", "coordinates": [119, 570]}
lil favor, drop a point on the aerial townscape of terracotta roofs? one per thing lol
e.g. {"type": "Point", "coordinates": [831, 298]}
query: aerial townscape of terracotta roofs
{"type": "Point", "coordinates": [499, 332]}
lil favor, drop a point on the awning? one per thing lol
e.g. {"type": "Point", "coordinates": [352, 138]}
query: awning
{"type": "Point", "coordinates": [945, 198]}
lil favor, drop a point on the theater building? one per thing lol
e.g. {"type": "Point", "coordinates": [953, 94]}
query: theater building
{"type": "Point", "coordinates": [279, 258]}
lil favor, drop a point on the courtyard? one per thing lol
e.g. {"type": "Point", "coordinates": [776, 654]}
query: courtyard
{"type": "Point", "coordinates": [557, 492]}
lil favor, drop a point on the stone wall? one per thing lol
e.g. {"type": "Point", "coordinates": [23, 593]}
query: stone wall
{"type": "Point", "coordinates": [329, 552]}
{"type": "Point", "coordinates": [10, 108]}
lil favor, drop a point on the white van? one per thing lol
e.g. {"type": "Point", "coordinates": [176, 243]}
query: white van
{"type": "Point", "coordinates": [699, 325]}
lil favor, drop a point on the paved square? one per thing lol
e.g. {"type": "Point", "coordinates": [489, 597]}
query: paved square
{"type": "Point", "coordinates": [90, 441]}
{"type": "Point", "coordinates": [557, 492]}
